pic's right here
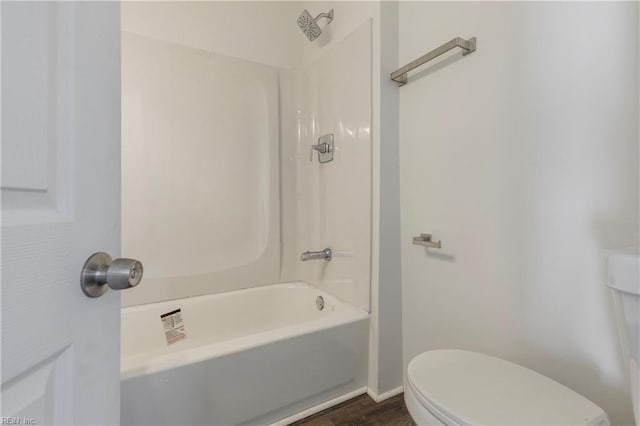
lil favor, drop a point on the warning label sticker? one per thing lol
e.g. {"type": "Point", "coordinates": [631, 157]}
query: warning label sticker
{"type": "Point", "coordinates": [173, 326]}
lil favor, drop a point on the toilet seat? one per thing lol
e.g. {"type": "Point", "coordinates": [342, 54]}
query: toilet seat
{"type": "Point", "coordinates": [467, 388]}
{"type": "Point", "coordinates": [423, 412]}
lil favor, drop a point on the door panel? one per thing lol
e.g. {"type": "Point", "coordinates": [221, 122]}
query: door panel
{"type": "Point", "coordinates": [60, 204]}
{"type": "Point", "coordinates": [37, 113]}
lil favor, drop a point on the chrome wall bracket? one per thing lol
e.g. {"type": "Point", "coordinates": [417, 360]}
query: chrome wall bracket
{"type": "Point", "coordinates": [424, 240]}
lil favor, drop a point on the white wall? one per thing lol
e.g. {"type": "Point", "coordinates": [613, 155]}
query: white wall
{"type": "Point", "coordinates": [387, 253]}
{"type": "Point", "coordinates": [523, 158]}
{"type": "Point", "coordinates": [259, 31]}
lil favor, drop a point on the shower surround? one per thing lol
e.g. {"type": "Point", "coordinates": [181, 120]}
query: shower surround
{"type": "Point", "coordinates": [226, 200]}
{"type": "Point", "coordinates": [200, 193]}
{"type": "Point", "coordinates": [334, 198]}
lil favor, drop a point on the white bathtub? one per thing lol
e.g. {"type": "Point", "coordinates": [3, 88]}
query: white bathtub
{"type": "Point", "coordinates": [251, 356]}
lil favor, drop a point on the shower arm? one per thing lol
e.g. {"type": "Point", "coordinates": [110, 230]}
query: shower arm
{"type": "Point", "coordinates": [329, 16]}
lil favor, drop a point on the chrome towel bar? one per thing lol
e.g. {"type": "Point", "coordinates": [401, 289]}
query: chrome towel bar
{"type": "Point", "coordinates": [424, 240]}
{"type": "Point", "coordinates": [468, 46]}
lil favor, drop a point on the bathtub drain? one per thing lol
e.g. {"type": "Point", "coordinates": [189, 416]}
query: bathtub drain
{"type": "Point", "coordinates": [320, 303]}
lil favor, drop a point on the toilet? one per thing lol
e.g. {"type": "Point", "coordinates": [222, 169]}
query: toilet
{"type": "Point", "coordinates": [455, 387]}
{"type": "Point", "coordinates": [623, 279]}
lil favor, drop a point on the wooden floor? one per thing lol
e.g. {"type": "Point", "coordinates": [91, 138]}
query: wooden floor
{"type": "Point", "coordinates": [363, 410]}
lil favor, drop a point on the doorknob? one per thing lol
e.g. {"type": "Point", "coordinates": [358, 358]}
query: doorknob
{"type": "Point", "coordinates": [100, 273]}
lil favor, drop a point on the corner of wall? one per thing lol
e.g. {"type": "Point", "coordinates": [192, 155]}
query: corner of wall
{"type": "Point", "coordinates": [390, 370]}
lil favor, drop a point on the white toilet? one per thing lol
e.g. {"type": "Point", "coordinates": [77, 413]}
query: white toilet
{"type": "Point", "coordinates": [623, 278]}
{"type": "Point", "coordinates": [454, 387]}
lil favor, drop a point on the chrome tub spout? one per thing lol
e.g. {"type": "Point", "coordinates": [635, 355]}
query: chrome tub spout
{"type": "Point", "coordinates": [312, 255]}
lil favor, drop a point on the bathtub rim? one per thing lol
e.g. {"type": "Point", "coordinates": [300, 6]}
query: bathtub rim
{"type": "Point", "coordinates": [162, 362]}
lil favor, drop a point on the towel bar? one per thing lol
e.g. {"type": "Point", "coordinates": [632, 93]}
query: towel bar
{"type": "Point", "coordinates": [400, 75]}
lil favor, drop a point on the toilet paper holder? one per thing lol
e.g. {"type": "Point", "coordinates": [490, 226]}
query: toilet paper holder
{"type": "Point", "coordinates": [424, 240]}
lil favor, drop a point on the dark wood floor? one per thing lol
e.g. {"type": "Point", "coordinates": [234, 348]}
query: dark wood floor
{"type": "Point", "coordinates": [363, 411]}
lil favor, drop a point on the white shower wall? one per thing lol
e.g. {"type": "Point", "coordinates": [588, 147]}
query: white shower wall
{"type": "Point", "coordinates": [334, 84]}
{"type": "Point", "coordinates": [243, 202]}
{"type": "Point", "coordinates": [226, 198]}
{"type": "Point", "coordinates": [200, 168]}
{"type": "Point", "coordinates": [334, 198]}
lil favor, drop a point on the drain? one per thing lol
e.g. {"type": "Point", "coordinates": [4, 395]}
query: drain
{"type": "Point", "coordinates": [320, 303]}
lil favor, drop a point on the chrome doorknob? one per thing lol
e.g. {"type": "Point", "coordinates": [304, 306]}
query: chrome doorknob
{"type": "Point", "coordinates": [100, 273]}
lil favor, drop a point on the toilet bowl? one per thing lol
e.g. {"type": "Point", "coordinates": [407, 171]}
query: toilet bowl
{"type": "Point", "coordinates": [454, 387]}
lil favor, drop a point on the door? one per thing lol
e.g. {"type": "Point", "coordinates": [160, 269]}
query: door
{"type": "Point", "coordinates": [60, 204]}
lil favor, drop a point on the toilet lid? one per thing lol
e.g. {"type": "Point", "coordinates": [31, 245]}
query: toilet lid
{"type": "Point", "coordinates": [469, 388]}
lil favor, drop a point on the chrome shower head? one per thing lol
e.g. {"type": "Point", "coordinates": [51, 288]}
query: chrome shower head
{"type": "Point", "coordinates": [309, 25]}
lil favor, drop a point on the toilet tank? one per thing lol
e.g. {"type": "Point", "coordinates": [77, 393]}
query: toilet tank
{"type": "Point", "coordinates": [623, 278]}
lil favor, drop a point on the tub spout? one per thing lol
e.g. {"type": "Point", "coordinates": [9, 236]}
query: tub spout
{"type": "Point", "coordinates": [312, 255]}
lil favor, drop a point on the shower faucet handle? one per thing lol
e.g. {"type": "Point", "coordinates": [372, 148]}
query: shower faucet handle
{"type": "Point", "coordinates": [324, 148]}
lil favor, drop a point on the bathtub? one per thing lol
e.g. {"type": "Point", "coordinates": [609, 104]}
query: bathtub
{"type": "Point", "coordinates": [253, 356]}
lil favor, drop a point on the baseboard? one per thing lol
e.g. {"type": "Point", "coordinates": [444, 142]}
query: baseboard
{"type": "Point", "coordinates": [320, 407]}
{"type": "Point", "coordinates": [385, 395]}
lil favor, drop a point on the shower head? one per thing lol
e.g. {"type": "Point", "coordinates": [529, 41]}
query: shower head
{"type": "Point", "coordinates": [309, 25]}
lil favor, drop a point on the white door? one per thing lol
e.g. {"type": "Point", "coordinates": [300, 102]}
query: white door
{"type": "Point", "coordinates": [60, 204]}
